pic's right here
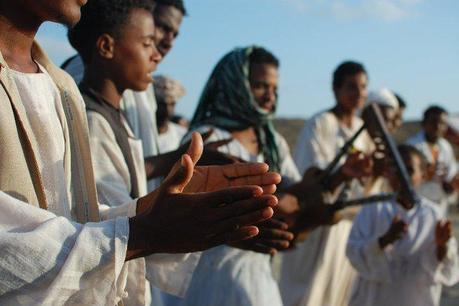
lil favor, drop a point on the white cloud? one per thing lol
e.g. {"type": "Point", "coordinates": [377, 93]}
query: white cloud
{"type": "Point", "coordinates": [385, 10]}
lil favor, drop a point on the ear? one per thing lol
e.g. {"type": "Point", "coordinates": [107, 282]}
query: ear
{"type": "Point", "coordinates": [105, 46]}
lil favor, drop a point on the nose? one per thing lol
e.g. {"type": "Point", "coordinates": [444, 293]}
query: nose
{"type": "Point", "coordinates": [270, 94]}
{"type": "Point", "coordinates": [155, 55]}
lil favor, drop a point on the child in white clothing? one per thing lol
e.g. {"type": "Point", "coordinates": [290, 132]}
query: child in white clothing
{"type": "Point", "coordinates": [403, 257]}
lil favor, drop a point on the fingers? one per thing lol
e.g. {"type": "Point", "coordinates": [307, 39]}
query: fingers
{"type": "Point", "coordinates": [181, 176]}
{"type": "Point", "coordinates": [196, 147]}
{"type": "Point", "coordinates": [216, 144]}
{"type": "Point", "coordinates": [235, 223]}
{"type": "Point", "coordinates": [269, 178]}
{"type": "Point", "coordinates": [242, 207]}
{"type": "Point", "coordinates": [207, 134]}
{"type": "Point", "coordinates": [245, 169]}
{"type": "Point", "coordinates": [242, 233]}
{"type": "Point", "coordinates": [275, 224]}
{"type": "Point", "coordinates": [228, 195]}
{"type": "Point", "coordinates": [275, 234]}
{"type": "Point", "coordinates": [269, 189]}
{"type": "Point", "coordinates": [274, 244]}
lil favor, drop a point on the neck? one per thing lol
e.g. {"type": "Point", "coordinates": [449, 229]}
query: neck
{"type": "Point", "coordinates": [17, 32]}
{"type": "Point", "coordinates": [431, 140]}
{"type": "Point", "coordinates": [345, 116]}
{"type": "Point", "coordinates": [96, 78]}
{"type": "Point", "coordinates": [162, 125]}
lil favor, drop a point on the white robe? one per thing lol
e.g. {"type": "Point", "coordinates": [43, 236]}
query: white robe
{"type": "Point", "coordinates": [317, 271]}
{"type": "Point", "coordinates": [406, 272]}
{"type": "Point", "coordinates": [46, 259]}
{"type": "Point", "coordinates": [139, 108]}
{"type": "Point", "coordinates": [170, 140]}
{"type": "Point", "coordinates": [446, 169]}
{"type": "Point", "coordinates": [170, 272]}
{"type": "Point", "coordinates": [228, 276]}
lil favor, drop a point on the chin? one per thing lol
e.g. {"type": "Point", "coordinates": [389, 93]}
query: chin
{"type": "Point", "coordinates": [70, 18]}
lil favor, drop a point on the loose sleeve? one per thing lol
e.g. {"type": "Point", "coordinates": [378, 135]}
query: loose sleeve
{"type": "Point", "coordinates": [110, 170]}
{"type": "Point", "coordinates": [309, 151]}
{"type": "Point", "coordinates": [446, 271]}
{"type": "Point", "coordinates": [363, 248]}
{"type": "Point", "coordinates": [47, 259]}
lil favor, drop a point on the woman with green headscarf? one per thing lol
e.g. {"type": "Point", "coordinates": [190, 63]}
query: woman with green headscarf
{"type": "Point", "coordinates": [238, 102]}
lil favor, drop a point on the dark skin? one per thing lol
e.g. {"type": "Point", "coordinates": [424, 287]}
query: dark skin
{"type": "Point", "coordinates": [227, 215]}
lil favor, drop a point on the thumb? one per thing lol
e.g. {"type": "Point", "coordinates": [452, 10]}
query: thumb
{"type": "Point", "coordinates": [180, 175]}
{"type": "Point", "coordinates": [195, 148]}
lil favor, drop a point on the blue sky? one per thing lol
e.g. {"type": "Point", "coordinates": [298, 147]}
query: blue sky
{"type": "Point", "coordinates": [410, 46]}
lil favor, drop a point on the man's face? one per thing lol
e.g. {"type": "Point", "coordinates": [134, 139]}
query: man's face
{"type": "Point", "coordinates": [413, 164]}
{"type": "Point", "coordinates": [62, 11]}
{"type": "Point", "coordinates": [398, 120]}
{"type": "Point", "coordinates": [166, 109]}
{"type": "Point", "coordinates": [134, 54]}
{"type": "Point", "coordinates": [167, 21]}
{"type": "Point", "coordinates": [352, 93]}
{"type": "Point", "coordinates": [435, 126]}
{"type": "Point", "coordinates": [389, 115]}
{"type": "Point", "coordinates": [263, 80]}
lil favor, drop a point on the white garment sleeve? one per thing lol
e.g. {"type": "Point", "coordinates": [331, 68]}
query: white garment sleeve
{"type": "Point", "coordinates": [49, 260]}
{"type": "Point", "coordinates": [309, 151]}
{"type": "Point", "coordinates": [451, 162]}
{"type": "Point", "coordinates": [168, 272]}
{"type": "Point", "coordinates": [110, 170]}
{"type": "Point", "coordinates": [363, 250]}
{"type": "Point", "coordinates": [445, 272]}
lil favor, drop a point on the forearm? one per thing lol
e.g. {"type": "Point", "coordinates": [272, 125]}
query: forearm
{"type": "Point", "coordinates": [48, 257]}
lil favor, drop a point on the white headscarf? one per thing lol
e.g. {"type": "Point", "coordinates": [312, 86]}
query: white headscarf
{"type": "Point", "coordinates": [168, 89]}
{"type": "Point", "coordinates": [383, 97]}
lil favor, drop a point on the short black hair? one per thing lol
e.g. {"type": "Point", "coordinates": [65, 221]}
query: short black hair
{"type": "Point", "coordinates": [99, 17]}
{"type": "Point", "coordinates": [345, 69]}
{"type": "Point", "coordinates": [400, 100]}
{"type": "Point", "coordinates": [178, 4]}
{"type": "Point", "coordinates": [407, 152]}
{"type": "Point", "coordinates": [433, 110]}
{"type": "Point", "coordinates": [260, 55]}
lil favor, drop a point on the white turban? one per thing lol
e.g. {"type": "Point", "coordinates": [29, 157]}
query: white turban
{"type": "Point", "coordinates": [167, 88]}
{"type": "Point", "coordinates": [383, 97]}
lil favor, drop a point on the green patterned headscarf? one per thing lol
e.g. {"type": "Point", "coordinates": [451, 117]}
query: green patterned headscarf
{"type": "Point", "coordinates": [227, 103]}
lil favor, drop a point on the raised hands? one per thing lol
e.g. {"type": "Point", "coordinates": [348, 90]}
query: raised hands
{"type": "Point", "coordinates": [357, 165]}
{"type": "Point", "coordinates": [213, 178]}
{"type": "Point", "coordinates": [397, 230]}
{"type": "Point", "coordinates": [171, 221]}
{"type": "Point", "coordinates": [274, 236]}
{"type": "Point", "coordinates": [443, 231]}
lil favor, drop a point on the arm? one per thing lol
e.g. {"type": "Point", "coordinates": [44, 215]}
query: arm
{"type": "Point", "coordinates": [447, 267]}
{"type": "Point", "coordinates": [364, 249]}
{"type": "Point", "coordinates": [47, 258]}
{"type": "Point", "coordinates": [110, 170]}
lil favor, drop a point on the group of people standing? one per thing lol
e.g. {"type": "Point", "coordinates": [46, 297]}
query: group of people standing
{"type": "Point", "coordinates": [105, 201]}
